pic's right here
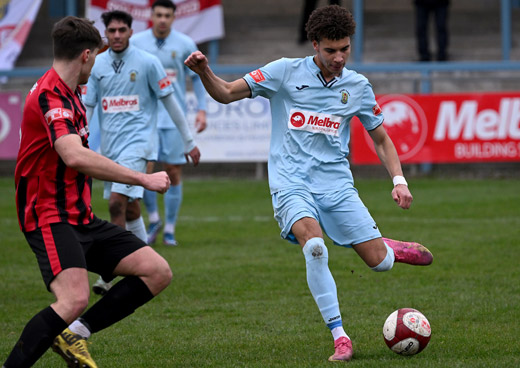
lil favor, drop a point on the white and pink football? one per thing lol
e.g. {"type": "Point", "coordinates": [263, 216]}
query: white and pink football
{"type": "Point", "coordinates": [407, 331]}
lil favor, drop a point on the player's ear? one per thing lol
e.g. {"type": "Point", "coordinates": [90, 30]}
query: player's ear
{"type": "Point", "coordinates": [86, 55]}
{"type": "Point", "coordinates": [315, 45]}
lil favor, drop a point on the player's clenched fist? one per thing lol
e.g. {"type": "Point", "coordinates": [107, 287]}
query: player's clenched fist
{"type": "Point", "coordinates": [402, 196]}
{"type": "Point", "coordinates": [197, 62]}
{"type": "Point", "coordinates": [158, 182]}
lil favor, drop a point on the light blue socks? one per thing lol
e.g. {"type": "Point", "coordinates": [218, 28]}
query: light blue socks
{"type": "Point", "coordinates": [320, 281]}
{"type": "Point", "coordinates": [150, 201]}
{"type": "Point", "coordinates": [172, 203]}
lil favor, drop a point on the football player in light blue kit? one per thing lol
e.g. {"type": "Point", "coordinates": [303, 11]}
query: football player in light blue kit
{"type": "Point", "coordinates": [172, 48]}
{"type": "Point", "coordinates": [313, 100]}
{"type": "Point", "coordinates": [126, 83]}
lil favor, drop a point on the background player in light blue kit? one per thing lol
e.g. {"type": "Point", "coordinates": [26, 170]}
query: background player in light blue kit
{"type": "Point", "coordinates": [126, 83]}
{"type": "Point", "coordinates": [172, 48]}
{"type": "Point", "coordinates": [313, 100]}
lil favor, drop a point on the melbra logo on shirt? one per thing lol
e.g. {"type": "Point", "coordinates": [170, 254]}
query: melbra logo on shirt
{"type": "Point", "coordinates": [172, 74]}
{"type": "Point", "coordinates": [113, 104]}
{"type": "Point", "coordinates": [314, 122]}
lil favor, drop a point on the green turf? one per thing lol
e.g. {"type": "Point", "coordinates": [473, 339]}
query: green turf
{"type": "Point", "coordinates": [239, 296]}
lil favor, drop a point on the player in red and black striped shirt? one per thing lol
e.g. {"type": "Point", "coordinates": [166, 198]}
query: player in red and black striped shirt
{"type": "Point", "coordinates": [52, 110]}
{"type": "Point", "coordinates": [53, 191]}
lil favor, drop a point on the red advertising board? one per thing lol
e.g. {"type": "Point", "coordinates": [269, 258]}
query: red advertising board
{"type": "Point", "coordinates": [446, 128]}
{"type": "Point", "coordinates": [10, 121]}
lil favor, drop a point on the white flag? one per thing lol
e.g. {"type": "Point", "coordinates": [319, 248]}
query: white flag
{"type": "Point", "coordinates": [16, 20]}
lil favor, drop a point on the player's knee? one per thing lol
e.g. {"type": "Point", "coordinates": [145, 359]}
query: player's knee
{"type": "Point", "coordinates": [159, 275]}
{"type": "Point", "coordinates": [133, 211]}
{"type": "Point", "coordinates": [72, 306]}
{"type": "Point", "coordinates": [116, 209]}
{"type": "Point", "coordinates": [174, 173]}
{"type": "Point", "coordinates": [315, 249]}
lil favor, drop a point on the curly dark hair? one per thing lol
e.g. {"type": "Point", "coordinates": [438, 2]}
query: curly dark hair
{"type": "Point", "coordinates": [331, 22]}
{"type": "Point", "coordinates": [120, 15]}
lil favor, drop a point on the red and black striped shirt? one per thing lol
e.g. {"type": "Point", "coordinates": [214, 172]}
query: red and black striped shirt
{"type": "Point", "coordinates": [47, 191]}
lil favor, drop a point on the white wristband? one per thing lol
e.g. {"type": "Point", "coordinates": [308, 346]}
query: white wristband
{"type": "Point", "coordinates": [398, 179]}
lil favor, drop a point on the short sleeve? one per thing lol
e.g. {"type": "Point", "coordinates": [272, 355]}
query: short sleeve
{"type": "Point", "coordinates": [370, 113]}
{"type": "Point", "coordinates": [90, 97]}
{"type": "Point", "coordinates": [57, 116]}
{"type": "Point", "coordinates": [157, 78]}
{"type": "Point", "coordinates": [267, 80]}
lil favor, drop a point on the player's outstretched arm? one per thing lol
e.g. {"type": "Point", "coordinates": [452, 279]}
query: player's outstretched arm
{"type": "Point", "coordinates": [388, 155]}
{"type": "Point", "coordinates": [90, 163]}
{"type": "Point", "coordinates": [221, 91]}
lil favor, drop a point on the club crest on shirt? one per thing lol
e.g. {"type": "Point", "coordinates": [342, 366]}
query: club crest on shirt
{"type": "Point", "coordinates": [344, 96]}
{"type": "Point", "coordinates": [133, 76]}
{"type": "Point", "coordinates": [174, 54]}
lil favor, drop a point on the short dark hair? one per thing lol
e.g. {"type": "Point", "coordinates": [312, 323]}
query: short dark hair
{"type": "Point", "coordinates": [71, 35]}
{"type": "Point", "coordinates": [164, 3]}
{"type": "Point", "coordinates": [331, 22]}
{"type": "Point", "coordinates": [109, 16]}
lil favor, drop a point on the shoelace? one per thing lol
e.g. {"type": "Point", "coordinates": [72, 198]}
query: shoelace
{"type": "Point", "coordinates": [81, 347]}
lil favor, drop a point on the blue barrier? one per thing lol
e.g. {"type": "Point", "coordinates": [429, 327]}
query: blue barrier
{"type": "Point", "coordinates": [424, 70]}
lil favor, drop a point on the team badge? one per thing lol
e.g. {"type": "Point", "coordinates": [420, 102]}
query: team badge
{"type": "Point", "coordinates": [174, 54]}
{"type": "Point", "coordinates": [133, 76]}
{"type": "Point", "coordinates": [344, 96]}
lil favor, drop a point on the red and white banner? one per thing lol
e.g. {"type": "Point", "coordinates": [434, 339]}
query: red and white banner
{"type": "Point", "coordinates": [16, 20]}
{"type": "Point", "coordinates": [202, 20]}
{"type": "Point", "coordinates": [444, 128]}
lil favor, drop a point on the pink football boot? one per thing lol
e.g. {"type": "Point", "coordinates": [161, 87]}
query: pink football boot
{"type": "Point", "coordinates": [411, 253]}
{"type": "Point", "coordinates": [342, 350]}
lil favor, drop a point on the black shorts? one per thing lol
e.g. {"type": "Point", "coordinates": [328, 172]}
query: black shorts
{"type": "Point", "coordinates": [97, 247]}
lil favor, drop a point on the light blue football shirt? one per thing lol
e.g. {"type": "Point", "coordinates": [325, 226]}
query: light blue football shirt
{"type": "Point", "coordinates": [172, 51]}
{"type": "Point", "coordinates": [311, 122]}
{"type": "Point", "coordinates": [127, 86]}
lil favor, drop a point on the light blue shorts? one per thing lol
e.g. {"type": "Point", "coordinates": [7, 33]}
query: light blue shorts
{"type": "Point", "coordinates": [133, 192]}
{"type": "Point", "coordinates": [171, 147]}
{"type": "Point", "coordinates": [342, 215]}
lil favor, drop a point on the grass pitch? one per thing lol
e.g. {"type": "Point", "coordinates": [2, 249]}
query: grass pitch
{"type": "Point", "coordinates": [239, 296]}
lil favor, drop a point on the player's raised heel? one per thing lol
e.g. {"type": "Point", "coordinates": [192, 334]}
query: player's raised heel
{"type": "Point", "coordinates": [153, 230]}
{"type": "Point", "coordinates": [342, 350]}
{"type": "Point", "coordinates": [411, 253]}
{"type": "Point", "coordinates": [73, 349]}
